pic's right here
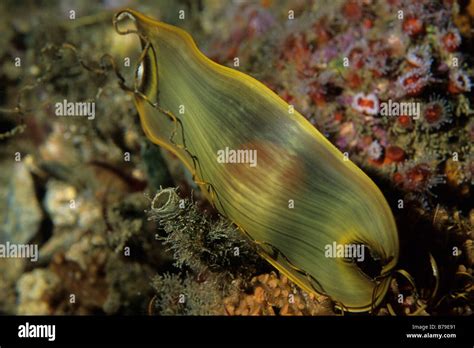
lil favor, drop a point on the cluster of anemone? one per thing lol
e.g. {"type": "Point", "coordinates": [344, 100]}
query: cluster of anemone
{"type": "Point", "coordinates": [418, 175]}
{"type": "Point", "coordinates": [370, 54]}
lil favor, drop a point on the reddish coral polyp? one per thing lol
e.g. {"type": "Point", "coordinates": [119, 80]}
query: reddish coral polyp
{"type": "Point", "coordinates": [356, 57]}
{"type": "Point", "coordinates": [413, 82]}
{"type": "Point", "coordinates": [367, 104]}
{"type": "Point", "coordinates": [451, 40]}
{"type": "Point", "coordinates": [413, 26]}
{"type": "Point", "coordinates": [405, 121]}
{"type": "Point", "coordinates": [459, 82]}
{"type": "Point", "coordinates": [436, 113]}
{"type": "Point", "coordinates": [352, 10]}
{"type": "Point", "coordinates": [417, 176]}
{"type": "Point", "coordinates": [433, 113]}
{"type": "Point", "coordinates": [419, 57]}
{"type": "Point", "coordinates": [394, 154]}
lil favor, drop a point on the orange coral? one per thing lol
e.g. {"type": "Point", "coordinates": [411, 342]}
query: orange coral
{"type": "Point", "coordinates": [273, 294]}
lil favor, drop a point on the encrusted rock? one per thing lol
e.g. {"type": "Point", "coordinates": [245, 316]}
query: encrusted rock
{"type": "Point", "coordinates": [23, 215]}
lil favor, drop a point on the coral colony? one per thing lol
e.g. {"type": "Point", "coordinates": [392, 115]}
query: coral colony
{"type": "Point", "coordinates": [97, 219]}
